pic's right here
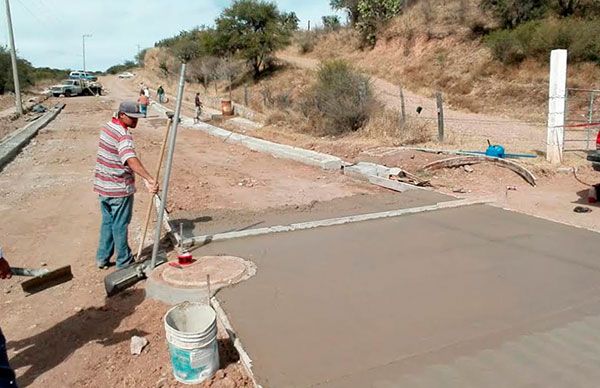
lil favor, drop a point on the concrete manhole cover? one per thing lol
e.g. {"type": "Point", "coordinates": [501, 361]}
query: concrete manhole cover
{"type": "Point", "coordinates": [188, 283]}
{"type": "Point", "coordinates": [222, 270]}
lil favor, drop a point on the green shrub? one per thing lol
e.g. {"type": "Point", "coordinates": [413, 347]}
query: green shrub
{"type": "Point", "coordinates": [340, 101]}
{"type": "Point", "coordinates": [512, 13]}
{"type": "Point", "coordinates": [536, 39]}
{"type": "Point", "coordinates": [506, 47]}
{"type": "Point", "coordinates": [306, 41]}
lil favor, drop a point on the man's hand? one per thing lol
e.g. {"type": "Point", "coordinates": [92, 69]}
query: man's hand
{"type": "Point", "coordinates": [151, 185]}
{"type": "Point", "coordinates": [5, 272]}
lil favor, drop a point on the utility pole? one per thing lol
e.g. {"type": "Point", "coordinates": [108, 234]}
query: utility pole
{"type": "Point", "coordinates": [83, 41]}
{"type": "Point", "coordinates": [13, 57]}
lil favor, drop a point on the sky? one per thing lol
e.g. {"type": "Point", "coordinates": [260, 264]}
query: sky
{"type": "Point", "coordinates": [48, 33]}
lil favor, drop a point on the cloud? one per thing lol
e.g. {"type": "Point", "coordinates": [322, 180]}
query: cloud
{"type": "Point", "coordinates": [49, 32]}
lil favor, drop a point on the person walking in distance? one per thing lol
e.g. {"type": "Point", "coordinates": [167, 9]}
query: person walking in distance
{"type": "Point", "coordinates": [144, 102]}
{"type": "Point", "coordinates": [7, 375]}
{"type": "Point", "coordinates": [114, 182]}
{"type": "Point", "coordinates": [161, 94]}
{"type": "Point", "coordinates": [198, 105]}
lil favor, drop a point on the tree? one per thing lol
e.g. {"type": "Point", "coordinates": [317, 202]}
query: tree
{"type": "Point", "coordinates": [290, 21]}
{"type": "Point", "coordinates": [567, 7]}
{"type": "Point", "coordinates": [331, 22]}
{"type": "Point", "coordinates": [140, 56]}
{"type": "Point", "coordinates": [511, 13]}
{"type": "Point", "coordinates": [252, 30]}
{"type": "Point", "coordinates": [350, 6]}
{"type": "Point", "coordinates": [373, 14]}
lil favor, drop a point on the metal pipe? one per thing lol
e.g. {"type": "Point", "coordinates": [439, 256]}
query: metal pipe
{"type": "Point", "coordinates": [169, 164]}
{"type": "Point", "coordinates": [83, 46]}
{"type": "Point", "coordinates": [13, 58]}
{"type": "Point", "coordinates": [590, 120]}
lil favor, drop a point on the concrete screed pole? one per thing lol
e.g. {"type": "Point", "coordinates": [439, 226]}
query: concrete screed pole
{"type": "Point", "coordinates": [556, 106]}
{"type": "Point", "coordinates": [13, 57]}
{"type": "Point", "coordinates": [169, 164]}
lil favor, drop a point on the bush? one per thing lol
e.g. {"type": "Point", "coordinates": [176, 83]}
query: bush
{"type": "Point", "coordinates": [340, 101]}
{"type": "Point", "coordinates": [373, 15]}
{"type": "Point", "coordinates": [306, 41]}
{"type": "Point", "coordinates": [28, 75]}
{"type": "Point", "coordinates": [116, 69]}
{"type": "Point", "coordinates": [331, 23]}
{"type": "Point", "coordinates": [511, 13]}
{"type": "Point", "coordinates": [537, 38]}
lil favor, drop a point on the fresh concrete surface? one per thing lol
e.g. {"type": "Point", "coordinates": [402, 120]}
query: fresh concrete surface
{"type": "Point", "coordinates": [217, 221]}
{"type": "Point", "coordinates": [467, 297]}
{"type": "Point", "coordinates": [202, 240]}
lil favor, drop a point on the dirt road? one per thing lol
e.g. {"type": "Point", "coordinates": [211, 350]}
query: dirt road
{"type": "Point", "coordinates": [71, 335]}
{"type": "Point", "coordinates": [463, 128]}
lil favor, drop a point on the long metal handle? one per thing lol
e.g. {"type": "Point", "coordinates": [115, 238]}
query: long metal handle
{"type": "Point", "coordinates": [167, 176]}
{"type": "Point", "coordinates": [28, 271]}
{"type": "Point", "coordinates": [151, 204]}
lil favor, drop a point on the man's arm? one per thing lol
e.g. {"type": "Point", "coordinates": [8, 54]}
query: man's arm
{"type": "Point", "coordinates": [136, 165]}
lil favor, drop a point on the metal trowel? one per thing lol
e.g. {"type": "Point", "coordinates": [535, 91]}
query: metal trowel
{"type": "Point", "coordinates": [42, 278]}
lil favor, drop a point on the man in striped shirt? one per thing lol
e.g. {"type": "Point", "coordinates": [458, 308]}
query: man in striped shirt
{"type": "Point", "coordinates": [114, 181]}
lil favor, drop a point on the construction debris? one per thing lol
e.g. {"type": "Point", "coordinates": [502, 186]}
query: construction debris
{"type": "Point", "coordinates": [470, 160]}
{"type": "Point", "coordinates": [137, 345]}
{"type": "Point", "coordinates": [404, 176]}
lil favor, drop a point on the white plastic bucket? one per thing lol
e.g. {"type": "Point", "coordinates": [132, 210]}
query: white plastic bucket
{"type": "Point", "coordinates": [192, 337]}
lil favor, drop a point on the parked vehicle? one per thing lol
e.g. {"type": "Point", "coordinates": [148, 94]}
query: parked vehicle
{"type": "Point", "coordinates": [126, 75]}
{"type": "Point", "coordinates": [76, 87]}
{"type": "Point", "coordinates": [82, 75]}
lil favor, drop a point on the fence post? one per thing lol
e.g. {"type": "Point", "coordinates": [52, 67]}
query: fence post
{"type": "Point", "coordinates": [556, 106]}
{"type": "Point", "coordinates": [440, 114]}
{"type": "Point", "coordinates": [309, 25]}
{"type": "Point", "coordinates": [246, 94]}
{"type": "Point", "coordinates": [402, 108]}
{"type": "Point", "coordinates": [590, 119]}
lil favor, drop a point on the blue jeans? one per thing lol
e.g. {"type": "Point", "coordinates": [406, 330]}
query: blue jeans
{"type": "Point", "coordinates": [7, 375]}
{"type": "Point", "coordinates": [116, 216]}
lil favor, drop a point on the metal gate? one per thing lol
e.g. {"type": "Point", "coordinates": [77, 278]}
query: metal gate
{"type": "Point", "coordinates": [582, 119]}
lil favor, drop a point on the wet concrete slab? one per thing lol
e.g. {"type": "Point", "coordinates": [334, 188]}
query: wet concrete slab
{"type": "Point", "coordinates": [214, 221]}
{"type": "Point", "coordinates": [369, 304]}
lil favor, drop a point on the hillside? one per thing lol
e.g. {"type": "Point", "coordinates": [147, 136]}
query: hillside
{"type": "Point", "coordinates": [439, 45]}
{"type": "Point", "coordinates": [493, 80]}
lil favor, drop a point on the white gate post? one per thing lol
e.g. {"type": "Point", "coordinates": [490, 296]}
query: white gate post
{"type": "Point", "coordinates": [556, 106]}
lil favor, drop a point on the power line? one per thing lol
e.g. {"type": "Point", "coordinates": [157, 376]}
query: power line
{"type": "Point", "coordinates": [32, 14]}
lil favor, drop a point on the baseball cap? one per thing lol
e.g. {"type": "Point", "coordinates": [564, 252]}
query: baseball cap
{"type": "Point", "coordinates": [131, 109]}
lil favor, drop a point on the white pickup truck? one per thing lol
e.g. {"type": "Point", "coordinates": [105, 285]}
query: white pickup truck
{"type": "Point", "coordinates": [76, 87]}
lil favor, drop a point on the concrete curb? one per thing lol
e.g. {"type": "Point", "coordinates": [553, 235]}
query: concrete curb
{"type": "Point", "coordinates": [14, 143]}
{"type": "Point", "coordinates": [203, 240]}
{"type": "Point", "coordinates": [237, 344]}
{"type": "Point", "coordinates": [324, 161]}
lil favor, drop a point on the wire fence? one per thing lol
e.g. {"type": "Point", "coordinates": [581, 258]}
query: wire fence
{"type": "Point", "coordinates": [450, 127]}
{"type": "Point", "coordinates": [582, 119]}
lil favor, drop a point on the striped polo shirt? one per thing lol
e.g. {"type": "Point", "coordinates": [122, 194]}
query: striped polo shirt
{"type": "Point", "coordinates": [112, 177]}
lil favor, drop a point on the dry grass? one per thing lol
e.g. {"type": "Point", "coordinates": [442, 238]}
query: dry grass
{"type": "Point", "coordinates": [438, 47]}
{"type": "Point", "coordinates": [386, 126]}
